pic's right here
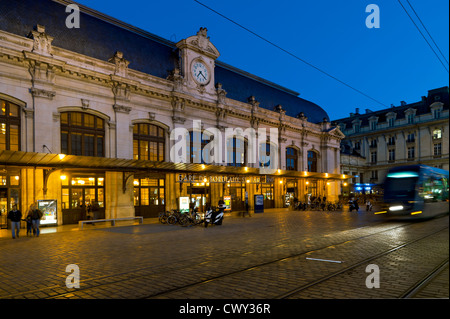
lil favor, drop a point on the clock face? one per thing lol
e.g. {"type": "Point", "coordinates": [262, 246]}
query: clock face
{"type": "Point", "coordinates": [200, 72]}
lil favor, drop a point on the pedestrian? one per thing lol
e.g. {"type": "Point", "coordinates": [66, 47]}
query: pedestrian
{"type": "Point", "coordinates": [29, 225]}
{"type": "Point", "coordinates": [247, 208]}
{"type": "Point", "coordinates": [35, 215]}
{"type": "Point", "coordinates": [368, 206]}
{"type": "Point", "coordinates": [15, 216]}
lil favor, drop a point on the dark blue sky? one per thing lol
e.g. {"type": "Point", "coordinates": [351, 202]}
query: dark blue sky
{"type": "Point", "coordinates": [390, 64]}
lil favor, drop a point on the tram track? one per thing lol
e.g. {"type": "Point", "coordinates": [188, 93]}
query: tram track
{"type": "Point", "coordinates": [363, 262]}
{"type": "Point", "coordinates": [90, 284]}
{"type": "Point", "coordinates": [310, 284]}
{"type": "Point", "coordinates": [423, 282]}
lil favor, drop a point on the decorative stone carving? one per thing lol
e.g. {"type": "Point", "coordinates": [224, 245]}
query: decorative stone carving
{"type": "Point", "coordinates": [42, 41]}
{"type": "Point", "coordinates": [121, 91]}
{"type": "Point", "coordinates": [121, 109]}
{"type": "Point", "coordinates": [41, 72]}
{"type": "Point", "coordinates": [84, 104]}
{"type": "Point", "coordinates": [42, 93]}
{"type": "Point", "coordinates": [177, 78]}
{"type": "Point", "coordinates": [221, 94]}
{"type": "Point", "coordinates": [121, 64]}
{"type": "Point", "coordinates": [178, 115]}
{"type": "Point", "coordinates": [254, 103]}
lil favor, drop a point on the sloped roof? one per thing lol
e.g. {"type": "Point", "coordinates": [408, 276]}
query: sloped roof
{"type": "Point", "coordinates": [100, 36]}
{"type": "Point", "coordinates": [421, 107]}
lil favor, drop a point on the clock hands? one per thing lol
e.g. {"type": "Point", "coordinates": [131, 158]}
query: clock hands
{"type": "Point", "coordinates": [201, 74]}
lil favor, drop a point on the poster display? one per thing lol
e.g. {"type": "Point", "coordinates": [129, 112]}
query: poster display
{"type": "Point", "coordinates": [49, 211]}
{"type": "Point", "coordinates": [227, 200]}
{"type": "Point", "coordinates": [259, 203]}
{"type": "Point", "coordinates": [184, 204]}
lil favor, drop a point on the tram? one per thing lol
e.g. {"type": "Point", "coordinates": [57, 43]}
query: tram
{"type": "Point", "coordinates": [415, 192]}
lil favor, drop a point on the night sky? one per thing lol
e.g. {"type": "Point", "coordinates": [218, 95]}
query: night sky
{"type": "Point", "coordinates": [390, 64]}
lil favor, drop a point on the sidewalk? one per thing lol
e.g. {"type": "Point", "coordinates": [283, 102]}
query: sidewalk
{"type": "Point", "coordinates": [6, 233]}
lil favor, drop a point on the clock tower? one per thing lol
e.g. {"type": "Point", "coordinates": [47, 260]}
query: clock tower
{"type": "Point", "coordinates": [198, 57]}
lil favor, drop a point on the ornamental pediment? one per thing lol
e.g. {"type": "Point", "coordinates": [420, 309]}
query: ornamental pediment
{"type": "Point", "coordinates": [200, 43]}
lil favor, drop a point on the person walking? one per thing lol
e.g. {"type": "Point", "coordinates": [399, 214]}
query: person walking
{"type": "Point", "coordinates": [15, 216]}
{"type": "Point", "coordinates": [36, 216]}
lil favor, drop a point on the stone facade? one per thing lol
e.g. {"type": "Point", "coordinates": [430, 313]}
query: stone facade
{"type": "Point", "coordinates": [414, 133]}
{"type": "Point", "coordinates": [46, 81]}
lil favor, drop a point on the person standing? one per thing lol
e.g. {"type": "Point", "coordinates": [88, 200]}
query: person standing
{"type": "Point", "coordinates": [36, 216]}
{"type": "Point", "coordinates": [15, 216]}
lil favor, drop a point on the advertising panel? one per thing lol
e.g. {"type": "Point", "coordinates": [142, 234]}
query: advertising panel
{"type": "Point", "coordinates": [259, 203]}
{"type": "Point", "coordinates": [227, 200]}
{"type": "Point", "coordinates": [184, 204]}
{"type": "Point", "coordinates": [49, 211]}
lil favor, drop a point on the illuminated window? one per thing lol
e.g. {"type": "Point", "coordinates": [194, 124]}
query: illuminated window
{"type": "Point", "coordinates": [149, 192]}
{"type": "Point", "coordinates": [437, 134]}
{"type": "Point", "coordinates": [82, 134]}
{"type": "Point", "coordinates": [148, 142]}
{"type": "Point", "coordinates": [9, 126]}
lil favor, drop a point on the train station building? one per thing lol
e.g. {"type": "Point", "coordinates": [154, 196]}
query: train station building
{"type": "Point", "coordinates": [88, 117]}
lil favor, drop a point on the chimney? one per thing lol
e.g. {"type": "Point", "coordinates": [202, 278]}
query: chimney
{"type": "Point", "coordinates": [402, 103]}
{"type": "Point", "coordinates": [357, 110]}
{"type": "Point", "coordinates": [392, 106]}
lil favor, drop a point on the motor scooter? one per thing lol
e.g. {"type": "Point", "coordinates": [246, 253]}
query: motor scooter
{"type": "Point", "coordinates": [213, 216]}
{"type": "Point", "coordinates": [353, 205]}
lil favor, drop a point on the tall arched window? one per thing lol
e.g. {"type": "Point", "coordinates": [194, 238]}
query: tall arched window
{"type": "Point", "coordinates": [312, 161]}
{"type": "Point", "coordinates": [82, 134]}
{"type": "Point", "coordinates": [197, 143]}
{"type": "Point", "coordinates": [148, 142]}
{"type": "Point", "coordinates": [9, 126]}
{"type": "Point", "coordinates": [236, 152]}
{"type": "Point", "coordinates": [267, 155]}
{"type": "Point", "coordinates": [291, 159]}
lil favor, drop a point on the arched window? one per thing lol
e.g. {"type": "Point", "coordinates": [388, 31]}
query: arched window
{"type": "Point", "coordinates": [148, 142]}
{"type": "Point", "coordinates": [291, 159]}
{"type": "Point", "coordinates": [197, 142]}
{"type": "Point", "coordinates": [267, 152]}
{"type": "Point", "coordinates": [82, 134]}
{"type": "Point", "coordinates": [9, 126]}
{"type": "Point", "coordinates": [312, 161]}
{"type": "Point", "coordinates": [236, 152]}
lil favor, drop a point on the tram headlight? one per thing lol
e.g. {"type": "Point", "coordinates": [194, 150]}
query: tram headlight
{"type": "Point", "coordinates": [395, 208]}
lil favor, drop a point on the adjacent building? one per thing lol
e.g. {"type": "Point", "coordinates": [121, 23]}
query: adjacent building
{"type": "Point", "coordinates": [411, 133]}
{"type": "Point", "coordinates": [87, 116]}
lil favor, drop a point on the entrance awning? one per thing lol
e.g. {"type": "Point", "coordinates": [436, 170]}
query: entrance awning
{"type": "Point", "coordinates": [67, 162]}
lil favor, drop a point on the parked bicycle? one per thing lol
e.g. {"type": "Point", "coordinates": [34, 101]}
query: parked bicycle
{"type": "Point", "coordinates": [191, 218]}
{"type": "Point", "coordinates": [174, 217]}
{"type": "Point", "coordinates": [163, 217]}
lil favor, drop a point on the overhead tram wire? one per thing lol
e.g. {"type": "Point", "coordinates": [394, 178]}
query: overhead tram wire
{"type": "Point", "coordinates": [423, 36]}
{"type": "Point", "coordinates": [292, 54]}
{"type": "Point", "coordinates": [420, 20]}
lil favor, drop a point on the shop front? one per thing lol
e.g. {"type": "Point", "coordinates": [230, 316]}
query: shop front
{"type": "Point", "coordinates": [83, 194]}
{"type": "Point", "coordinates": [9, 193]}
{"type": "Point", "coordinates": [149, 195]}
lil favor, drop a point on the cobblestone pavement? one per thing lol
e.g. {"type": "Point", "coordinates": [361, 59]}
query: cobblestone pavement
{"type": "Point", "coordinates": [277, 254]}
